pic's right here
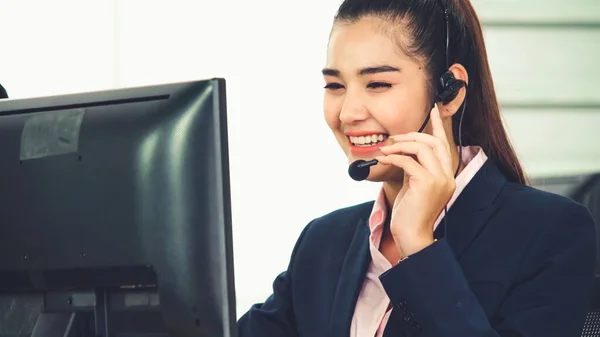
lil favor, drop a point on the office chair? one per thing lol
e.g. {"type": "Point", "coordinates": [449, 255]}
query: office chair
{"type": "Point", "coordinates": [588, 194]}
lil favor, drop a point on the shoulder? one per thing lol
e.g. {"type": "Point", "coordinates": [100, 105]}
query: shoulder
{"type": "Point", "coordinates": [548, 217]}
{"type": "Point", "coordinates": [341, 222]}
{"type": "Point", "coordinates": [333, 231]}
{"type": "Point", "coordinates": [527, 201]}
{"type": "Point", "coordinates": [554, 233]}
{"type": "Point", "coordinates": [356, 212]}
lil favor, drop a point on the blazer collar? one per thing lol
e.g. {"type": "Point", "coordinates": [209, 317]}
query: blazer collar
{"type": "Point", "coordinates": [350, 281]}
{"type": "Point", "coordinates": [472, 209]}
{"type": "Point", "coordinates": [466, 219]}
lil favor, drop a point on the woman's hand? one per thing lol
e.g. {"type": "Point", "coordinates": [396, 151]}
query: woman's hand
{"type": "Point", "coordinates": [428, 184]}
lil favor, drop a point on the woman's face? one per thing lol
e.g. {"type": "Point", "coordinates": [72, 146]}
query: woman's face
{"type": "Point", "coordinates": [373, 90]}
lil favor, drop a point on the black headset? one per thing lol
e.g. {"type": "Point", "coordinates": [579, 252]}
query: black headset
{"type": "Point", "coordinates": [447, 90]}
{"type": "Point", "coordinates": [448, 86]}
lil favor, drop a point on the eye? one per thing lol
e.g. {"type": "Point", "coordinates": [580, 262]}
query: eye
{"type": "Point", "coordinates": [378, 85]}
{"type": "Point", "coordinates": [334, 86]}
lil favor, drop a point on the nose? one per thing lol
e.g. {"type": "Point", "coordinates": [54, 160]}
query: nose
{"type": "Point", "coordinates": [353, 110]}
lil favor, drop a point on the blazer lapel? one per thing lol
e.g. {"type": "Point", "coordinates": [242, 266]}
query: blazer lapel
{"type": "Point", "coordinates": [350, 282]}
{"type": "Point", "coordinates": [472, 209]}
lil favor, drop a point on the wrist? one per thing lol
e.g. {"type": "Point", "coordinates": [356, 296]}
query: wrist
{"type": "Point", "coordinates": [411, 246]}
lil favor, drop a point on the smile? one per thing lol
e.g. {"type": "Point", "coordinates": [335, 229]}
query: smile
{"type": "Point", "coordinates": [369, 140]}
{"type": "Point", "coordinates": [366, 144]}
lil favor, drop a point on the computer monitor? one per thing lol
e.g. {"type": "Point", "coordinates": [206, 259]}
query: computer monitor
{"type": "Point", "coordinates": [3, 93]}
{"type": "Point", "coordinates": [115, 214]}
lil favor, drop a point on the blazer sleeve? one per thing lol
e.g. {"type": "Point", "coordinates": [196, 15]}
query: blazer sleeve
{"type": "Point", "coordinates": [274, 317]}
{"type": "Point", "coordinates": [550, 298]}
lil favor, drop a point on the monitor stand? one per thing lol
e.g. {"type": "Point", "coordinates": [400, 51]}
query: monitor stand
{"type": "Point", "coordinates": [100, 312]}
{"type": "Point", "coordinates": [59, 324]}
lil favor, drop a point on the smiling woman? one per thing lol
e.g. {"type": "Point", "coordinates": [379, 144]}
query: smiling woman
{"type": "Point", "coordinates": [509, 260]}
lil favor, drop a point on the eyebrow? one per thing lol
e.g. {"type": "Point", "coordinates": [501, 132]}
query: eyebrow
{"type": "Point", "coordinates": [362, 72]}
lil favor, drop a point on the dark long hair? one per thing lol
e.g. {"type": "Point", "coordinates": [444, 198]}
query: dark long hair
{"type": "Point", "coordinates": [423, 25]}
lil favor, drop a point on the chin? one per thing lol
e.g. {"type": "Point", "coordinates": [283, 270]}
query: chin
{"type": "Point", "coordinates": [380, 173]}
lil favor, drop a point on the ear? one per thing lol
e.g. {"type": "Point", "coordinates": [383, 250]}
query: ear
{"type": "Point", "coordinates": [449, 109]}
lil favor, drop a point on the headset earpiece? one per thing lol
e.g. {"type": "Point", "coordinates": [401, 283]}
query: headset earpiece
{"type": "Point", "coordinates": [448, 87]}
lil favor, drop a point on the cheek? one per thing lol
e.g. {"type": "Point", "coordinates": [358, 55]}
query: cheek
{"type": "Point", "coordinates": [331, 109]}
{"type": "Point", "coordinates": [392, 113]}
{"type": "Point", "coordinates": [399, 113]}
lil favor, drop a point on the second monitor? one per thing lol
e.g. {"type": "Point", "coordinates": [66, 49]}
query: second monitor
{"type": "Point", "coordinates": [116, 212]}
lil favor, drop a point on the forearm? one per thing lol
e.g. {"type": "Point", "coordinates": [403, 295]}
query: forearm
{"type": "Point", "coordinates": [433, 292]}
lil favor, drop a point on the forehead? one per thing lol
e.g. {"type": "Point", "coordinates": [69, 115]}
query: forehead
{"type": "Point", "coordinates": [364, 43]}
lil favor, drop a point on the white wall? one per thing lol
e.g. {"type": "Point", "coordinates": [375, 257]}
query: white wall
{"type": "Point", "coordinates": [53, 47]}
{"type": "Point", "coordinates": [272, 63]}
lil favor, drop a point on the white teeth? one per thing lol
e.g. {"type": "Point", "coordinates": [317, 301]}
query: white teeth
{"type": "Point", "coordinates": [368, 140]}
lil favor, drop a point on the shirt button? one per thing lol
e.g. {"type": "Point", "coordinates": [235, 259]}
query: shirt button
{"type": "Point", "coordinates": [416, 329]}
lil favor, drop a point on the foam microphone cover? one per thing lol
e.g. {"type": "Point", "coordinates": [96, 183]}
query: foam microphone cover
{"type": "Point", "coordinates": [357, 171]}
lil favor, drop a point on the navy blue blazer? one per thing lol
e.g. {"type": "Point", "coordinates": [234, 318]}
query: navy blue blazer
{"type": "Point", "coordinates": [514, 261]}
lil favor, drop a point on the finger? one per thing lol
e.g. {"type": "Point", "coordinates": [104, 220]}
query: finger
{"type": "Point", "coordinates": [430, 140]}
{"type": "Point", "coordinates": [424, 153]}
{"type": "Point", "coordinates": [437, 124]}
{"type": "Point", "coordinates": [408, 164]}
{"type": "Point", "coordinates": [440, 148]}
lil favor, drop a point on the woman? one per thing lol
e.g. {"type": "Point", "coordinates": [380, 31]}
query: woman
{"type": "Point", "coordinates": [506, 260]}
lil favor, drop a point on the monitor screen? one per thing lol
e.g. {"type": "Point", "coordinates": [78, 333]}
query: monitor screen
{"type": "Point", "coordinates": [115, 213]}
